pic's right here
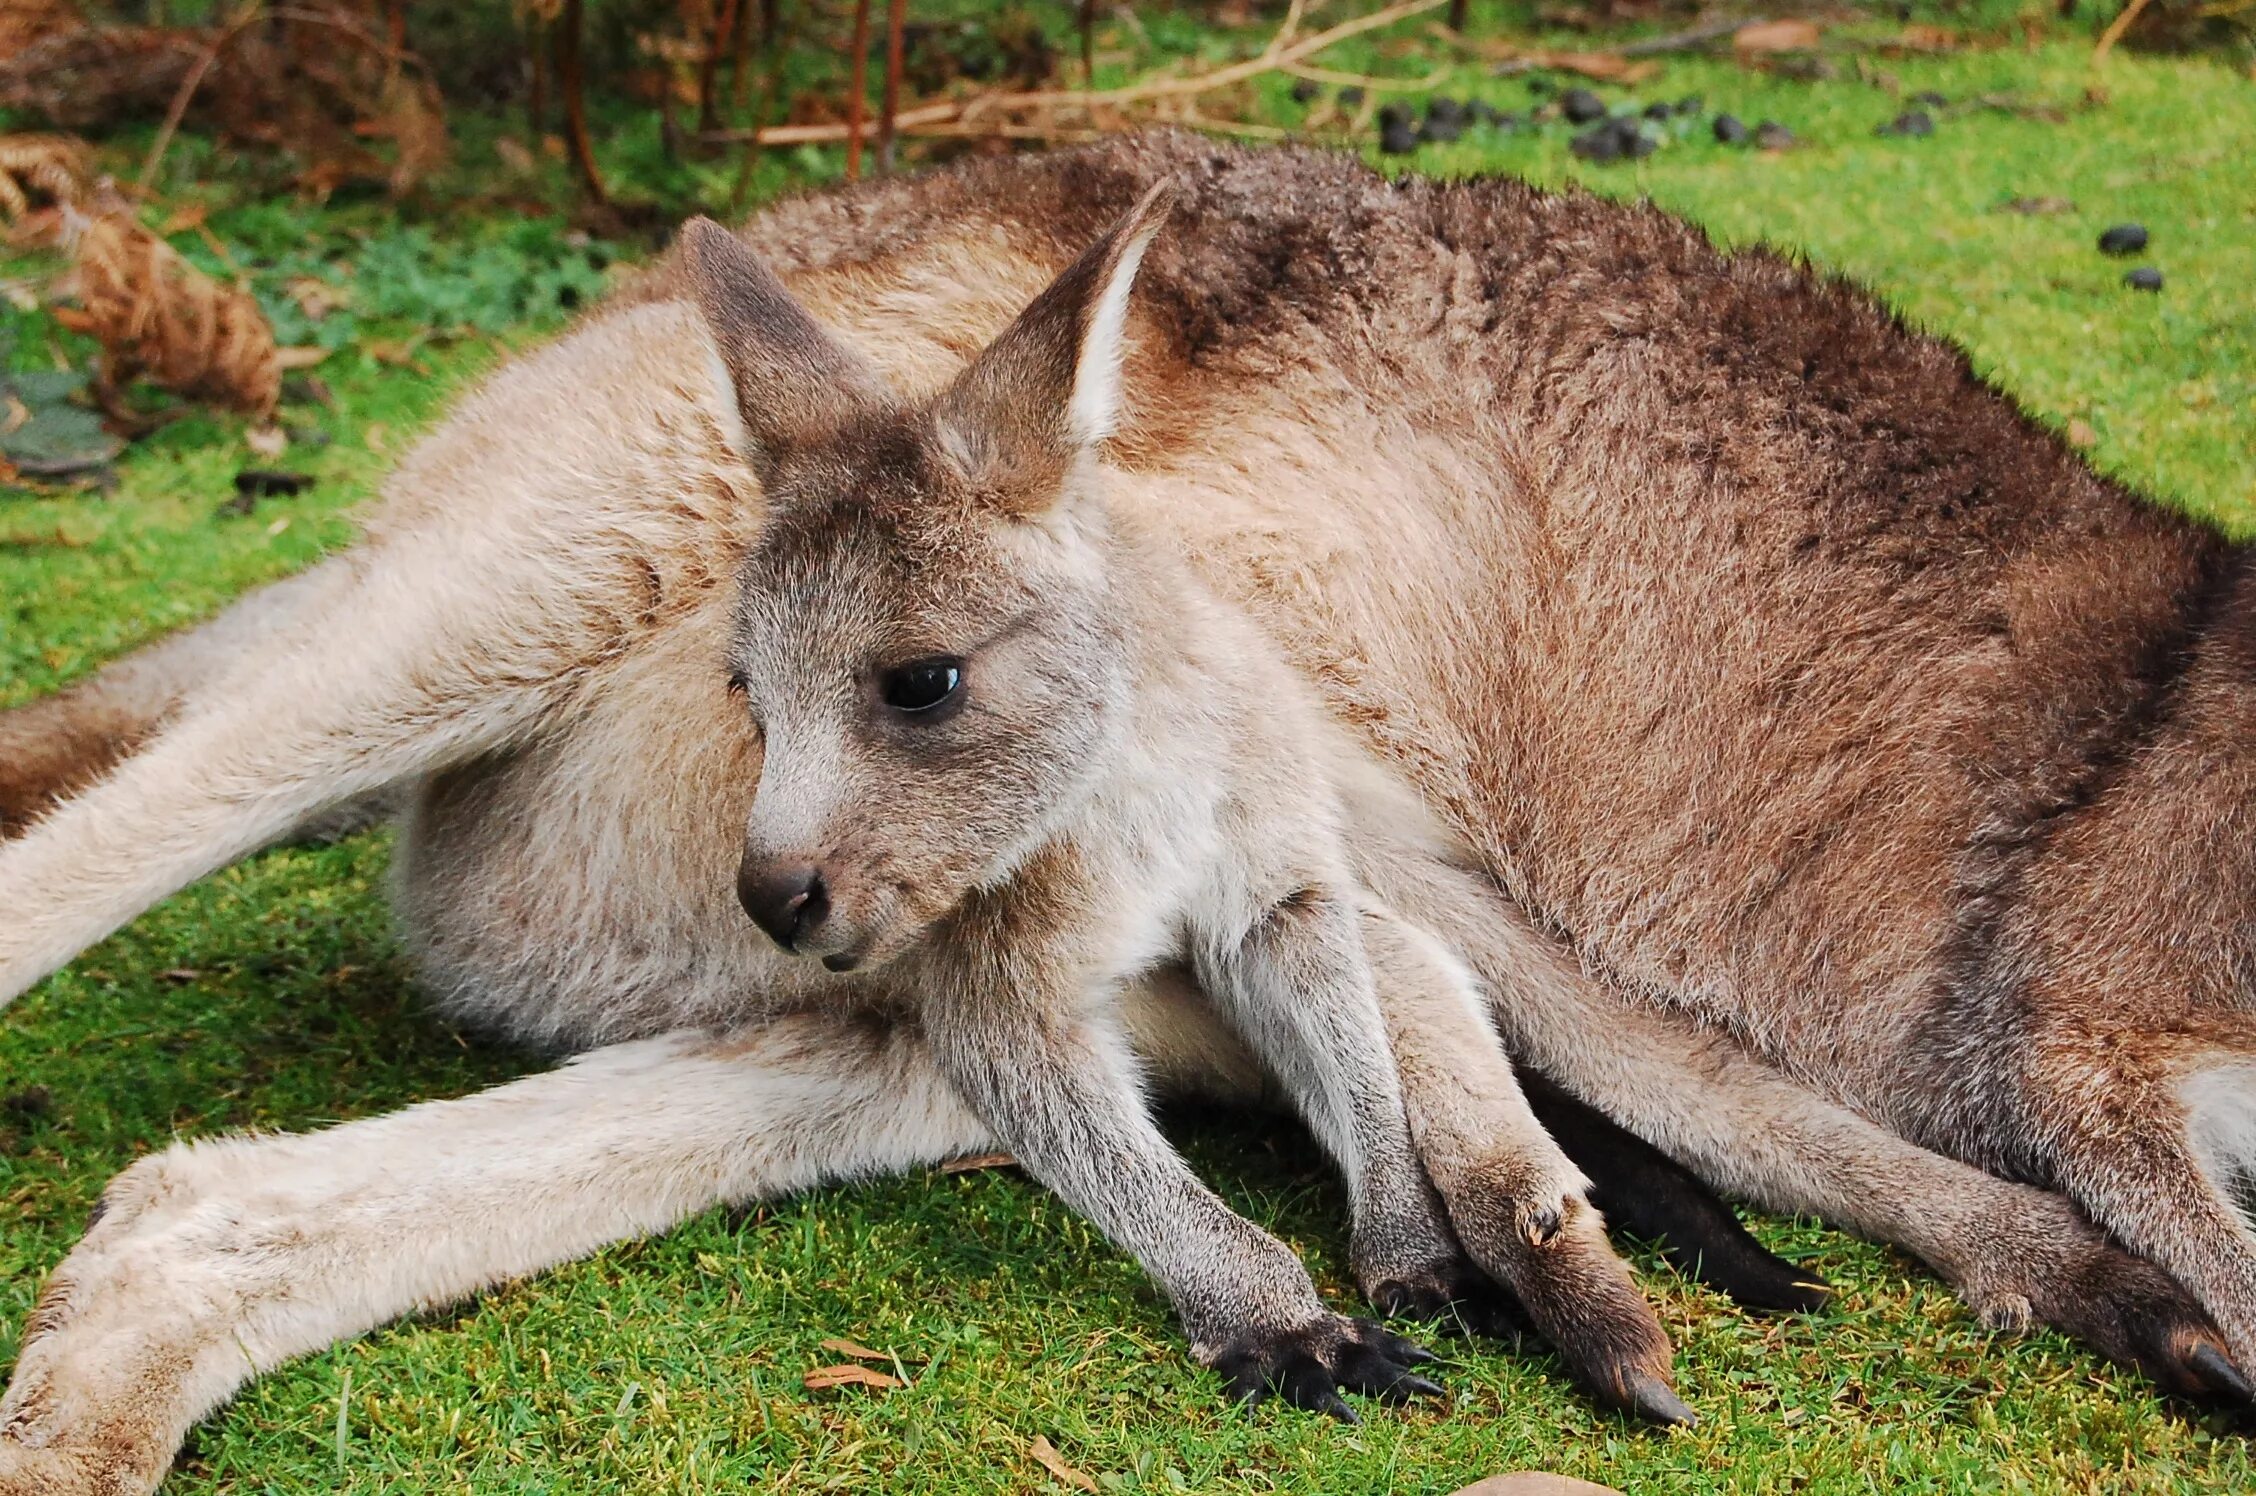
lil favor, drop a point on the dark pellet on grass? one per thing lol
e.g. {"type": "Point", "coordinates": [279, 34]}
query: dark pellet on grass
{"type": "Point", "coordinates": [1398, 137]}
{"type": "Point", "coordinates": [2145, 278]}
{"type": "Point", "coordinates": [1911, 123]}
{"type": "Point", "coordinates": [1441, 131]}
{"type": "Point", "coordinates": [1600, 145]}
{"type": "Point", "coordinates": [2123, 239]}
{"type": "Point", "coordinates": [1658, 111]}
{"type": "Point", "coordinates": [1581, 106]}
{"type": "Point", "coordinates": [1613, 140]}
{"type": "Point", "coordinates": [1729, 130]}
{"type": "Point", "coordinates": [259, 483]}
{"type": "Point", "coordinates": [1770, 135]}
{"type": "Point", "coordinates": [1691, 104]}
{"type": "Point", "coordinates": [1305, 90]}
{"type": "Point", "coordinates": [1351, 96]}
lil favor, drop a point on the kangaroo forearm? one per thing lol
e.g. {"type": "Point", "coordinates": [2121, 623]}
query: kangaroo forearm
{"type": "Point", "coordinates": [1064, 1101]}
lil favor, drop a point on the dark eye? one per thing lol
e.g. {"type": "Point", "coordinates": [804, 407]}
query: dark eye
{"type": "Point", "coordinates": [921, 685]}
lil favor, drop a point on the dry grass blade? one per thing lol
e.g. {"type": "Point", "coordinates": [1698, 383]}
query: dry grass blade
{"type": "Point", "coordinates": [840, 1346]}
{"type": "Point", "coordinates": [1046, 1455]}
{"type": "Point", "coordinates": [825, 1378]}
{"type": "Point", "coordinates": [157, 315]}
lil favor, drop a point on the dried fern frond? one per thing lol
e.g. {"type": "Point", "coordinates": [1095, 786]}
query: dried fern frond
{"type": "Point", "coordinates": [51, 164]}
{"type": "Point", "coordinates": [159, 316]}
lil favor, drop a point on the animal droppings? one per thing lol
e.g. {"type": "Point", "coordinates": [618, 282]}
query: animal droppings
{"type": "Point", "coordinates": [1581, 106]}
{"type": "Point", "coordinates": [1911, 123]}
{"type": "Point", "coordinates": [1351, 97]}
{"type": "Point", "coordinates": [1613, 140]}
{"type": "Point", "coordinates": [1657, 110]}
{"type": "Point", "coordinates": [1729, 130]}
{"type": "Point", "coordinates": [1398, 137]}
{"type": "Point", "coordinates": [1304, 90]}
{"type": "Point", "coordinates": [2123, 239]}
{"type": "Point", "coordinates": [2145, 278]}
{"type": "Point", "coordinates": [1929, 98]}
{"type": "Point", "coordinates": [1770, 135]}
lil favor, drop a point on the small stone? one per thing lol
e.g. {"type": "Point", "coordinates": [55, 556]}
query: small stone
{"type": "Point", "coordinates": [1351, 97]}
{"type": "Point", "coordinates": [2123, 239]}
{"type": "Point", "coordinates": [1911, 123]}
{"type": "Point", "coordinates": [1581, 106]}
{"type": "Point", "coordinates": [1305, 90]}
{"type": "Point", "coordinates": [2145, 278]}
{"type": "Point", "coordinates": [1770, 135]}
{"type": "Point", "coordinates": [1535, 1483]}
{"type": "Point", "coordinates": [1729, 130]}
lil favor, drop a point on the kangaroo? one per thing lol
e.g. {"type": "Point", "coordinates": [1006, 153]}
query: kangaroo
{"type": "Point", "coordinates": [1710, 613]}
{"type": "Point", "coordinates": [1014, 755]}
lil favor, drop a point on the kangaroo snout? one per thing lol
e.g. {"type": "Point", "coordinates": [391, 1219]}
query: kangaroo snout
{"type": "Point", "coordinates": [789, 900]}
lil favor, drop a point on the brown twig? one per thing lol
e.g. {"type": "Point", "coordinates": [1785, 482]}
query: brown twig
{"type": "Point", "coordinates": [856, 103]}
{"type": "Point", "coordinates": [1365, 80]}
{"type": "Point", "coordinates": [908, 121]}
{"type": "Point", "coordinates": [2116, 28]}
{"type": "Point", "coordinates": [569, 81]}
{"type": "Point", "coordinates": [1270, 59]}
{"type": "Point", "coordinates": [709, 66]}
{"type": "Point", "coordinates": [896, 30]}
{"type": "Point", "coordinates": [186, 93]}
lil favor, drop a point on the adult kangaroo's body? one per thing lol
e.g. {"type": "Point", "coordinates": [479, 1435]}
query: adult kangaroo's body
{"type": "Point", "coordinates": [1767, 663]}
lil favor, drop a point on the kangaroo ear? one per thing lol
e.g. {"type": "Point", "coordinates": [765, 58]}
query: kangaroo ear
{"type": "Point", "coordinates": [1049, 386]}
{"type": "Point", "coordinates": [795, 384]}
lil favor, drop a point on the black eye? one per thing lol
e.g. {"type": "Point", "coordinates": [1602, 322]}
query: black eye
{"type": "Point", "coordinates": [921, 685]}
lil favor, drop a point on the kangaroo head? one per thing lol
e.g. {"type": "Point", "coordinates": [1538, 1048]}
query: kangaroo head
{"type": "Point", "coordinates": [928, 634]}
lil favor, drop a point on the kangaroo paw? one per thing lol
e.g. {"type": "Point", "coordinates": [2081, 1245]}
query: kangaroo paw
{"type": "Point", "coordinates": [1310, 1366]}
{"type": "Point", "coordinates": [1456, 1294]}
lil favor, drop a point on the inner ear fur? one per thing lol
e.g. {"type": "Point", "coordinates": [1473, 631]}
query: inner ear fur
{"type": "Point", "coordinates": [1048, 387]}
{"type": "Point", "coordinates": [795, 384]}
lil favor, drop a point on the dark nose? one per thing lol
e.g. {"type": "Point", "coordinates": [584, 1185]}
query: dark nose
{"type": "Point", "coordinates": [787, 900]}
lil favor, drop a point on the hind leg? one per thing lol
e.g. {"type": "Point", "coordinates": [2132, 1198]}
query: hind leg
{"type": "Point", "coordinates": [1518, 1203]}
{"type": "Point", "coordinates": [214, 1261]}
{"type": "Point", "coordinates": [2014, 1253]}
{"type": "Point", "coordinates": [2154, 1134]}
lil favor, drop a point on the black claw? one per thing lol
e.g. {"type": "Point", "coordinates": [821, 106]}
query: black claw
{"type": "Point", "coordinates": [1410, 1385]}
{"type": "Point", "coordinates": [1655, 1401]}
{"type": "Point", "coordinates": [2218, 1375]}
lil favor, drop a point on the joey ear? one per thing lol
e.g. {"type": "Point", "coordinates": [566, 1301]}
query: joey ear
{"type": "Point", "coordinates": [795, 384]}
{"type": "Point", "coordinates": [1049, 386]}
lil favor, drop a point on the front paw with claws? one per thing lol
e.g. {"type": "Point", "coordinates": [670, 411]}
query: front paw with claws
{"type": "Point", "coordinates": [1454, 1295]}
{"type": "Point", "coordinates": [1311, 1365]}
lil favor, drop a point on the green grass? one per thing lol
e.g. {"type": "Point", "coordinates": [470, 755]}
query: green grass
{"type": "Point", "coordinates": [274, 996]}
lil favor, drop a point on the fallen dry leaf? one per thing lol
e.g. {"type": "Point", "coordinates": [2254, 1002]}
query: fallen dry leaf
{"type": "Point", "coordinates": [856, 1349]}
{"type": "Point", "coordinates": [979, 1161]}
{"type": "Point", "coordinates": [824, 1378]}
{"type": "Point", "coordinates": [1918, 38]}
{"type": "Point", "coordinates": [1761, 37]}
{"type": "Point", "coordinates": [1045, 1454]}
{"type": "Point", "coordinates": [2080, 434]}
